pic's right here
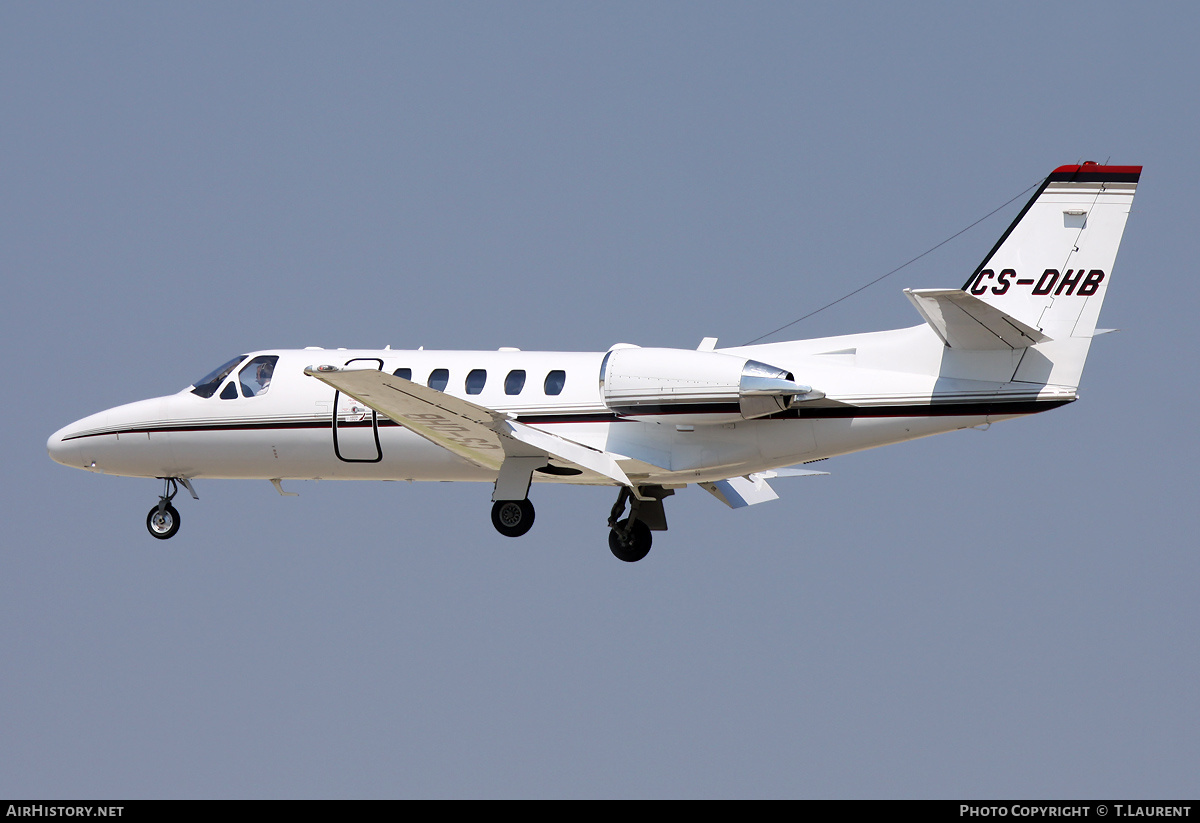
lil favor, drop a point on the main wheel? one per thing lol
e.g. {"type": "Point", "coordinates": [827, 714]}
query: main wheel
{"type": "Point", "coordinates": [512, 518]}
{"type": "Point", "coordinates": [164, 524]}
{"type": "Point", "coordinates": [632, 547]}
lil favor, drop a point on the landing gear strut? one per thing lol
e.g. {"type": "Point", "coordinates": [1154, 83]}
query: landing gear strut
{"type": "Point", "coordinates": [630, 539]}
{"type": "Point", "coordinates": [163, 520]}
{"type": "Point", "coordinates": [512, 518]}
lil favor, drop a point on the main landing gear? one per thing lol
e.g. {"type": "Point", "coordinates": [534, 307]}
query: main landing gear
{"type": "Point", "coordinates": [629, 538]}
{"type": "Point", "coordinates": [163, 520]}
{"type": "Point", "coordinates": [512, 518]}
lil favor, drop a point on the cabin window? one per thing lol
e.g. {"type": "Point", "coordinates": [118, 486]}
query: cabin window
{"type": "Point", "coordinates": [405, 373]}
{"type": "Point", "coordinates": [555, 381]}
{"type": "Point", "coordinates": [229, 392]}
{"type": "Point", "coordinates": [514, 382]}
{"type": "Point", "coordinates": [475, 381]}
{"type": "Point", "coordinates": [208, 385]}
{"type": "Point", "coordinates": [438, 378]}
{"type": "Point", "coordinates": [255, 376]}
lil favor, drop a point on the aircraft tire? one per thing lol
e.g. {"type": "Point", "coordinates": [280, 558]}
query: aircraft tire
{"type": "Point", "coordinates": [163, 527]}
{"type": "Point", "coordinates": [634, 547]}
{"type": "Point", "coordinates": [512, 518]}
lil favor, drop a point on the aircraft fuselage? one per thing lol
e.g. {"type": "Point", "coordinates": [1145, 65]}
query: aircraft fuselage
{"type": "Point", "coordinates": [301, 428]}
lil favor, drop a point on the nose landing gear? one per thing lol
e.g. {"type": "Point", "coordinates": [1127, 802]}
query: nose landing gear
{"type": "Point", "coordinates": [163, 520]}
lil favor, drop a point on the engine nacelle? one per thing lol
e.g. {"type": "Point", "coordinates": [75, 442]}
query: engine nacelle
{"type": "Point", "coordinates": [686, 386]}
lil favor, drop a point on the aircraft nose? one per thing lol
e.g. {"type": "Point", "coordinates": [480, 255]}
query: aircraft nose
{"type": "Point", "coordinates": [62, 449]}
{"type": "Point", "coordinates": [66, 446]}
{"type": "Point", "coordinates": [95, 443]}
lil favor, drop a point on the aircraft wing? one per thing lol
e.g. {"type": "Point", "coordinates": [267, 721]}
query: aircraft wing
{"type": "Point", "coordinates": [480, 435]}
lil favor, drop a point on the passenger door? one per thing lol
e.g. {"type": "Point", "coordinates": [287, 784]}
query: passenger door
{"type": "Point", "coordinates": [356, 427]}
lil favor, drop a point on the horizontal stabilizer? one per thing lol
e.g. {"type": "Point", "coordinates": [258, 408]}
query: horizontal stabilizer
{"type": "Point", "coordinates": [963, 321]}
{"type": "Point", "coordinates": [793, 472]}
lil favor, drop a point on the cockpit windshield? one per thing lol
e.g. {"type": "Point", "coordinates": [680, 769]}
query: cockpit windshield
{"type": "Point", "coordinates": [212, 381]}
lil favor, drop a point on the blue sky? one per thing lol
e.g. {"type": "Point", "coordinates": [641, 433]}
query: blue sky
{"type": "Point", "coordinates": [1001, 614]}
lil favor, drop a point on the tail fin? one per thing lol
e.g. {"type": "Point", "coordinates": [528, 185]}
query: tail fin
{"type": "Point", "coordinates": [1051, 268]}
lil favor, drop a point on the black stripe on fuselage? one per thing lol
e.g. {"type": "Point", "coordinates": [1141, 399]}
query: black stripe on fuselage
{"type": "Point", "coordinates": [947, 409]}
{"type": "Point", "coordinates": [233, 425]}
{"type": "Point", "coordinates": [968, 409]}
{"type": "Point", "coordinates": [984, 408]}
{"type": "Point", "coordinates": [643, 409]}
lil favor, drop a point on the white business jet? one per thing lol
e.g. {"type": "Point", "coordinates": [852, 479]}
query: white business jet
{"type": "Point", "coordinates": [650, 421]}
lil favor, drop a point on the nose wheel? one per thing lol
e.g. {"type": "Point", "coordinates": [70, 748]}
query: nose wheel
{"type": "Point", "coordinates": [512, 518]}
{"type": "Point", "coordinates": [163, 520]}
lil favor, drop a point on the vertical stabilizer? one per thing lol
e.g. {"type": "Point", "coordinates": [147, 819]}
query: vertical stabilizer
{"type": "Point", "coordinates": [1051, 268]}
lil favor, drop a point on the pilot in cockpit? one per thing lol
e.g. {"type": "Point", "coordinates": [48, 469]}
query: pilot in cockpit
{"type": "Point", "coordinates": [256, 376]}
{"type": "Point", "coordinates": [265, 370]}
